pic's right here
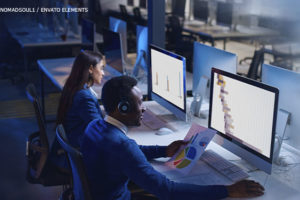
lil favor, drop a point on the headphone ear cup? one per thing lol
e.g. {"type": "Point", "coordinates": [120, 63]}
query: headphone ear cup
{"type": "Point", "coordinates": [123, 106]}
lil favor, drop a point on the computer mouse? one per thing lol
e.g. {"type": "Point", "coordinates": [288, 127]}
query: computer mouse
{"type": "Point", "coordinates": [164, 131]}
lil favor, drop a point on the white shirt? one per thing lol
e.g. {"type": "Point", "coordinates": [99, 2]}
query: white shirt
{"type": "Point", "coordinates": [116, 123]}
{"type": "Point", "coordinates": [93, 92]}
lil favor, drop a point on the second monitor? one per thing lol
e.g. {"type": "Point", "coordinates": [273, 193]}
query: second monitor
{"type": "Point", "coordinates": [244, 113]}
{"type": "Point", "coordinates": [207, 57]}
{"type": "Point", "coordinates": [167, 72]}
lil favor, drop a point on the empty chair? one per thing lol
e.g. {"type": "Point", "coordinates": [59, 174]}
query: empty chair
{"type": "Point", "coordinates": [179, 42]}
{"type": "Point", "coordinates": [138, 17]}
{"type": "Point", "coordinates": [81, 190]}
{"type": "Point", "coordinates": [40, 169]}
{"type": "Point", "coordinates": [257, 60]}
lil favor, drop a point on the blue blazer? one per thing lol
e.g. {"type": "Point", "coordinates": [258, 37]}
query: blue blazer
{"type": "Point", "coordinates": [111, 159]}
{"type": "Point", "coordinates": [84, 109]}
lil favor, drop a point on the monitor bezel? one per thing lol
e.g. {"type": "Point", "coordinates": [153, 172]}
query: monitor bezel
{"type": "Point", "coordinates": [178, 112]}
{"type": "Point", "coordinates": [256, 84]}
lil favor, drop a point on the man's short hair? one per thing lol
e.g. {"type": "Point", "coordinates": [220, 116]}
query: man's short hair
{"type": "Point", "coordinates": [115, 90]}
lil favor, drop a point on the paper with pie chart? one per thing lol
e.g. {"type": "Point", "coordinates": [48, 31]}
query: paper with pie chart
{"type": "Point", "coordinates": [185, 159]}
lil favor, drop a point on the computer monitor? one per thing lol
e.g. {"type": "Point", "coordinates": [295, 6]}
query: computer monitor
{"type": "Point", "coordinates": [244, 112]}
{"type": "Point", "coordinates": [200, 10]}
{"type": "Point", "coordinates": [178, 7]}
{"type": "Point", "coordinates": [112, 50]}
{"type": "Point", "coordinates": [224, 14]}
{"type": "Point", "coordinates": [143, 4]}
{"type": "Point", "coordinates": [288, 83]}
{"type": "Point", "coordinates": [142, 50]}
{"type": "Point", "coordinates": [120, 26]}
{"type": "Point", "coordinates": [207, 57]}
{"type": "Point", "coordinates": [130, 2]}
{"type": "Point", "coordinates": [167, 72]}
{"type": "Point", "coordinates": [88, 29]}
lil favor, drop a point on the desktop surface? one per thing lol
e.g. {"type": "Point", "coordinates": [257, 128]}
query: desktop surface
{"type": "Point", "coordinates": [58, 70]}
{"type": "Point", "coordinates": [282, 184]}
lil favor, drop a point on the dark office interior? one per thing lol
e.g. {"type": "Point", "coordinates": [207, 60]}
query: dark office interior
{"type": "Point", "coordinates": [278, 45]}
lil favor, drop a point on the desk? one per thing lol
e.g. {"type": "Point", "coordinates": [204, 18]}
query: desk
{"type": "Point", "coordinates": [213, 33]}
{"type": "Point", "coordinates": [282, 184]}
{"type": "Point", "coordinates": [30, 36]}
{"type": "Point", "coordinates": [58, 70]}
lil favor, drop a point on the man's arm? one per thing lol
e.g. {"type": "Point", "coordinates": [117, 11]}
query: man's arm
{"type": "Point", "coordinates": [140, 171]}
{"type": "Point", "coordinates": [152, 152]}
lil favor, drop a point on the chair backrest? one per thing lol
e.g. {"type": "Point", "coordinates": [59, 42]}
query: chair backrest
{"type": "Point", "coordinates": [138, 18]}
{"type": "Point", "coordinates": [175, 28]}
{"type": "Point", "coordinates": [35, 100]}
{"type": "Point", "coordinates": [257, 60]}
{"type": "Point", "coordinates": [81, 188]}
{"type": "Point", "coordinates": [37, 143]}
{"type": "Point", "coordinates": [123, 11]}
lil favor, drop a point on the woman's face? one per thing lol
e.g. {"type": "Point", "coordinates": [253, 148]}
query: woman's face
{"type": "Point", "coordinates": [97, 71]}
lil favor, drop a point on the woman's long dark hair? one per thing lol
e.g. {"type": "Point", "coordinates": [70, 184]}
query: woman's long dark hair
{"type": "Point", "coordinates": [76, 80]}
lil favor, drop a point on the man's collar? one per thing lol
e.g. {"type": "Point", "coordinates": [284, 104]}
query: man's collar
{"type": "Point", "coordinates": [116, 123]}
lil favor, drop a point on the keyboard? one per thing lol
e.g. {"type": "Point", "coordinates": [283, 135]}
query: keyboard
{"type": "Point", "coordinates": [153, 121]}
{"type": "Point", "coordinates": [223, 166]}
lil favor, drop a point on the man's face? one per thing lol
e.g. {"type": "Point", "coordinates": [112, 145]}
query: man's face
{"type": "Point", "coordinates": [135, 116]}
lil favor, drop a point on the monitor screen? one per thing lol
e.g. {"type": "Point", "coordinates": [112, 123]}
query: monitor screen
{"type": "Point", "coordinates": [143, 4]}
{"type": "Point", "coordinates": [207, 57]}
{"type": "Point", "coordinates": [112, 49]}
{"type": "Point", "coordinates": [168, 80]}
{"type": "Point", "coordinates": [87, 32]}
{"type": "Point", "coordinates": [224, 14]}
{"type": "Point", "coordinates": [244, 113]}
{"type": "Point", "coordinates": [130, 2]}
{"type": "Point", "coordinates": [200, 10]}
{"type": "Point", "coordinates": [120, 26]}
{"type": "Point", "coordinates": [288, 83]}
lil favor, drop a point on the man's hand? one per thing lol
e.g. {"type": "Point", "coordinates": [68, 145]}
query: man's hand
{"type": "Point", "coordinates": [245, 188]}
{"type": "Point", "coordinates": [174, 146]}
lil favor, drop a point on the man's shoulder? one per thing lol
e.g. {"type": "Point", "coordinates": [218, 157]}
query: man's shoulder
{"type": "Point", "coordinates": [98, 125]}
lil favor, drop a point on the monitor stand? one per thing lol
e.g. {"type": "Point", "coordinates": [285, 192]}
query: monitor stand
{"type": "Point", "coordinates": [199, 95]}
{"type": "Point", "coordinates": [283, 118]}
{"type": "Point", "coordinates": [139, 64]}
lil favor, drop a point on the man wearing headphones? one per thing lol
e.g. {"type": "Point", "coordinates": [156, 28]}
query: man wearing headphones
{"type": "Point", "coordinates": [111, 158]}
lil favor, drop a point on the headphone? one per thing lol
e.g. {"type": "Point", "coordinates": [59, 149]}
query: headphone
{"type": "Point", "coordinates": [124, 106]}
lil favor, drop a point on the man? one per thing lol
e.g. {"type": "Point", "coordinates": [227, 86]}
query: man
{"type": "Point", "coordinates": [111, 158]}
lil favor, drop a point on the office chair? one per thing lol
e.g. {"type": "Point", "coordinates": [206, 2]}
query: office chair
{"type": "Point", "coordinates": [40, 169]}
{"type": "Point", "coordinates": [256, 62]}
{"type": "Point", "coordinates": [179, 42]}
{"type": "Point", "coordinates": [81, 190]}
{"type": "Point", "coordinates": [137, 16]}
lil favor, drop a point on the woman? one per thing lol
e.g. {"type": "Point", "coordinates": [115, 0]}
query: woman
{"type": "Point", "coordinates": [79, 103]}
